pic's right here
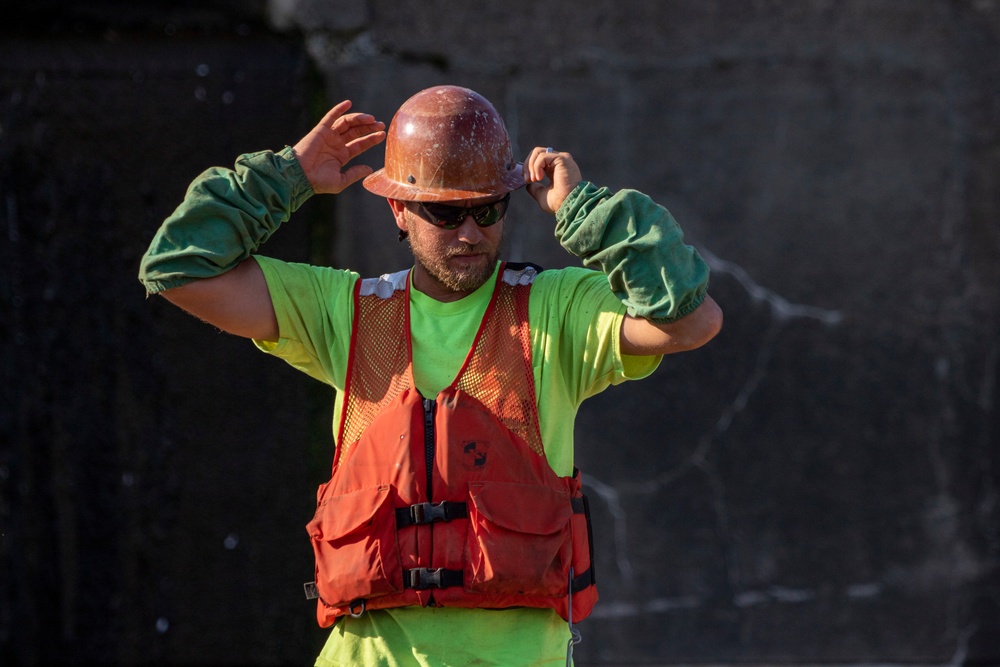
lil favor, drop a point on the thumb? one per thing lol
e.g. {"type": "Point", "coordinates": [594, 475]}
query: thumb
{"type": "Point", "coordinates": [357, 172]}
{"type": "Point", "coordinates": [353, 174]}
{"type": "Point", "coordinates": [538, 193]}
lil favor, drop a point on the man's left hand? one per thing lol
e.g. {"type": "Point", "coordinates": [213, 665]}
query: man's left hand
{"type": "Point", "coordinates": [550, 175]}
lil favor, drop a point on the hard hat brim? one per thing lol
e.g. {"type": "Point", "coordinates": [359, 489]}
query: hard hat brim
{"type": "Point", "coordinates": [380, 184]}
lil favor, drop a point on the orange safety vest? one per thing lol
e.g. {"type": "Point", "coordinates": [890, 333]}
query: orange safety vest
{"type": "Point", "coordinates": [447, 501]}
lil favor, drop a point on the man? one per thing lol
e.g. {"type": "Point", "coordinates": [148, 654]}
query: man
{"type": "Point", "coordinates": [452, 530]}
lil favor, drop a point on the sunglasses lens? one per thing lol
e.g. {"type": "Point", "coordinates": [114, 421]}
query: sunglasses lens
{"type": "Point", "coordinates": [497, 210]}
{"type": "Point", "coordinates": [491, 213]}
{"type": "Point", "coordinates": [450, 217]}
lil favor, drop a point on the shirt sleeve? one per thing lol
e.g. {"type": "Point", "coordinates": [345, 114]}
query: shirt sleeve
{"type": "Point", "coordinates": [639, 246]}
{"type": "Point", "coordinates": [576, 325]}
{"type": "Point", "coordinates": [225, 216]}
{"type": "Point", "coordinates": [314, 307]}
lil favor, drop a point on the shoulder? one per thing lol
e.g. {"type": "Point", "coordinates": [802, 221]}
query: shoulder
{"type": "Point", "coordinates": [571, 279]}
{"type": "Point", "coordinates": [299, 281]}
{"type": "Point", "coordinates": [574, 299]}
{"type": "Point", "coordinates": [529, 273]}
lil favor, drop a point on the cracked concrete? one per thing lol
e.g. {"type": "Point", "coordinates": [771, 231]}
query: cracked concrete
{"type": "Point", "coordinates": [817, 486]}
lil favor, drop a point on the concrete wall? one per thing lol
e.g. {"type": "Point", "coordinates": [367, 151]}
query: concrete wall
{"type": "Point", "coordinates": [819, 485]}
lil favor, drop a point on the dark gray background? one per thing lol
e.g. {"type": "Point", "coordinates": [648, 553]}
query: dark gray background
{"type": "Point", "coordinates": [817, 486]}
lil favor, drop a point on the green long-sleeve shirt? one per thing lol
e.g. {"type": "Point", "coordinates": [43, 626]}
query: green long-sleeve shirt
{"type": "Point", "coordinates": [227, 214]}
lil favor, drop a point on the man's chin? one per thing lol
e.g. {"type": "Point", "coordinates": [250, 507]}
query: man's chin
{"type": "Point", "coordinates": [466, 282]}
{"type": "Point", "coordinates": [468, 278]}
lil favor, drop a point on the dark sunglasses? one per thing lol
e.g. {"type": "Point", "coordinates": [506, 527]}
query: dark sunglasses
{"type": "Point", "coordinates": [451, 217]}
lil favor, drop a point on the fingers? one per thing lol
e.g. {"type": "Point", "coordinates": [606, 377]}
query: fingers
{"type": "Point", "coordinates": [340, 136]}
{"type": "Point", "coordinates": [550, 176]}
{"type": "Point", "coordinates": [541, 163]}
{"type": "Point", "coordinates": [353, 121]}
{"type": "Point", "coordinates": [349, 125]}
{"type": "Point", "coordinates": [358, 125]}
{"type": "Point", "coordinates": [333, 114]}
{"type": "Point", "coordinates": [538, 168]}
{"type": "Point", "coordinates": [547, 162]}
{"type": "Point", "coordinates": [365, 141]}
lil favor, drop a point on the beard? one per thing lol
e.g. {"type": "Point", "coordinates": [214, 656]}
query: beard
{"type": "Point", "coordinates": [434, 259]}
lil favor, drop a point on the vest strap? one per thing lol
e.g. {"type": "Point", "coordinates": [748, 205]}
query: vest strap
{"type": "Point", "coordinates": [422, 513]}
{"type": "Point", "coordinates": [581, 582]}
{"type": "Point", "coordinates": [422, 578]}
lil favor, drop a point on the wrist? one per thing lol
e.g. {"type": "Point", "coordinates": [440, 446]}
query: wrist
{"type": "Point", "coordinates": [282, 168]}
{"type": "Point", "coordinates": [579, 232]}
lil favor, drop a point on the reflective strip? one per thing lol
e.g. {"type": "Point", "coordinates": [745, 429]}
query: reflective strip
{"type": "Point", "coordinates": [384, 285]}
{"type": "Point", "coordinates": [524, 275]}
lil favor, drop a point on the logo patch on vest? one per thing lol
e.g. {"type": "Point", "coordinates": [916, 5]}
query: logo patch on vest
{"type": "Point", "coordinates": [475, 454]}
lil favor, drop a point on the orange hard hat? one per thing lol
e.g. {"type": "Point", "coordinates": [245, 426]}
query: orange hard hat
{"type": "Point", "coordinates": [446, 143]}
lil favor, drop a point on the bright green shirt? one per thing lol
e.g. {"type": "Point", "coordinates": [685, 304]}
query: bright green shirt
{"type": "Point", "coordinates": [575, 316]}
{"type": "Point", "coordinates": [574, 320]}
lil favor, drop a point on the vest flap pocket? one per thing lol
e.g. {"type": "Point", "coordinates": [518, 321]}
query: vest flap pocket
{"type": "Point", "coordinates": [519, 541]}
{"type": "Point", "coordinates": [524, 508]}
{"type": "Point", "coordinates": [339, 516]}
{"type": "Point", "coordinates": [354, 541]}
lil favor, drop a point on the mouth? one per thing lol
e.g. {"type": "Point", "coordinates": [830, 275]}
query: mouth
{"type": "Point", "coordinates": [467, 258]}
{"type": "Point", "coordinates": [465, 254]}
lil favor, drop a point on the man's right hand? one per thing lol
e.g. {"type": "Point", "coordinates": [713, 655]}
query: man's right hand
{"type": "Point", "coordinates": [336, 140]}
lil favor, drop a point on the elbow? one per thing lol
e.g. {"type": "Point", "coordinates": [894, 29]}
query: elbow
{"type": "Point", "coordinates": [642, 337]}
{"type": "Point", "coordinates": [715, 318]}
{"type": "Point", "coordinates": [709, 323]}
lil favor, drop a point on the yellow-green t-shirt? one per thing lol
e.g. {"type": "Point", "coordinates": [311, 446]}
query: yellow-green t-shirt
{"type": "Point", "coordinates": [575, 321]}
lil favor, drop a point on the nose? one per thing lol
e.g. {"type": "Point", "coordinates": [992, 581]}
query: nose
{"type": "Point", "coordinates": [469, 232]}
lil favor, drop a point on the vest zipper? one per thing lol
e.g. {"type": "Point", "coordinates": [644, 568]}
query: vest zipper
{"type": "Point", "coordinates": [429, 406]}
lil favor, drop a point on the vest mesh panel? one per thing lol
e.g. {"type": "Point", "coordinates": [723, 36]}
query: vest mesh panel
{"type": "Point", "coordinates": [496, 375]}
{"type": "Point", "coordinates": [384, 350]}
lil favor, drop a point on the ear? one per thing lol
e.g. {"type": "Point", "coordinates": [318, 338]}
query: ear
{"type": "Point", "coordinates": [399, 212]}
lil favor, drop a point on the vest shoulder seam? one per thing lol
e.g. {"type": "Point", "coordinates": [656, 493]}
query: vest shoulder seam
{"type": "Point", "coordinates": [385, 285]}
{"type": "Point", "coordinates": [520, 274]}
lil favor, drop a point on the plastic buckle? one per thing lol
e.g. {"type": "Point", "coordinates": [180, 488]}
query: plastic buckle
{"type": "Point", "coordinates": [423, 577]}
{"type": "Point", "coordinates": [428, 512]}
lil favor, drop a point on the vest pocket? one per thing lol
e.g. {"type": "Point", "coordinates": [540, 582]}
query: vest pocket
{"type": "Point", "coordinates": [520, 539]}
{"type": "Point", "coordinates": [354, 540]}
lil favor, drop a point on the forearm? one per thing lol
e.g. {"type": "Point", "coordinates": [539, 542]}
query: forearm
{"type": "Point", "coordinates": [639, 246]}
{"type": "Point", "coordinates": [225, 216]}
